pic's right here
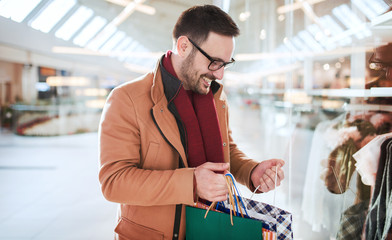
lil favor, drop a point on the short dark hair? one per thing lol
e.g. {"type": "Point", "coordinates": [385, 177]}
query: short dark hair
{"type": "Point", "coordinates": [198, 21]}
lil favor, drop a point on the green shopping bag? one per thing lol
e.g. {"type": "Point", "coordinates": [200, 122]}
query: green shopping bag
{"type": "Point", "coordinates": [217, 226]}
{"type": "Point", "coordinates": [221, 225]}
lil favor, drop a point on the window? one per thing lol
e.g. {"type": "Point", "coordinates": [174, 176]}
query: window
{"type": "Point", "coordinates": [11, 8]}
{"type": "Point", "coordinates": [48, 18]}
{"type": "Point", "coordinates": [89, 31]}
{"type": "Point", "coordinates": [74, 23]}
{"type": "Point", "coordinates": [113, 41]}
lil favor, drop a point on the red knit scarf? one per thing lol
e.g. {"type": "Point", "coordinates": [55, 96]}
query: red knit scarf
{"type": "Point", "coordinates": [199, 116]}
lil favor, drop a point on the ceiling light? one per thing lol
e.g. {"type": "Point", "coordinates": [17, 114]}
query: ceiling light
{"type": "Point", "coordinates": [308, 10]}
{"type": "Point", "coordinates": [319, 36]}
{"type": "Point", "coordinates": [379, 6]}
{"type": "Point", "coordinates": [49, 17]}
{"type": "Point", "coordinates": [146, 9]}
{"type": "Point", "coordinates": [89, 31]}
{"type": "Point", "coordinates": [351, 21]}
{"type": "Point", "coordinates": [295, 6]}
{"type": "Point", "coordinates": [244, 16]}
{"type": "Point", "coordinates": [123, 3]}
{"type": "Point", "coordinates": [77, 20]}
{"type": "Point", "coordinates": [113, 41]}
{"type": "Point", "coordinates": [327, 32]}
{"type": "Point", "coordinates": [310, 41]}
{"type": "Point", "coordinates": [128, 10]}
{"type": "Point", "coordinates": [281, 18]}
{"type": "Point", "coordinates": [141, 7]}
{"type": "Point", "coordinates": [299, 44]}
{"type": "Point", "coordinates": [362, 6]}
{"type": "Point", "coordinates": [67, 81]}
{"type": "Point", "coordinates": [102, 37]}
{"type": "Point", "coordinates": [12, 9]}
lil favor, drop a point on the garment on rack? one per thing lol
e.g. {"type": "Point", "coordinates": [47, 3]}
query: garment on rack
{"type": "Point", "coordinates": [340, 166]}
{"type": "Point", "coordinates": [379, 218]}
{"type": "Point", "coordinates": [367, 159]}
{"type": "Point", "coordinates": [320, 208]}
{"type": "Point", "coordinates": [349, 136]}
{"type": "Point", "coordinates": [352, 221]}
{"type": "Point", "coordinates": [328, 136]}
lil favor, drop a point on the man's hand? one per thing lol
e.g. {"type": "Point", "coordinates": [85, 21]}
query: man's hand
{"type": "Point", "coordinates": [211, 186]}
{"type": "Point", "coordinates": [264, 174]}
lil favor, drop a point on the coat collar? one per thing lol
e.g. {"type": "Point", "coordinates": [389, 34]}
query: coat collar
{"type": "Point", "coordinates": [157, 91]}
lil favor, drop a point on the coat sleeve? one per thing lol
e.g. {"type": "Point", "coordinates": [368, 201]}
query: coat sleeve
{"type": "Point", "coordinates": [241, 165]}
{"type": "Point", "coordinates": [121, 176]}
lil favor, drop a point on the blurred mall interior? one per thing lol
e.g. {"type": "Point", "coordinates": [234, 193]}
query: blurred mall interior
{"type": "Point", "coordinates": [312, 84]}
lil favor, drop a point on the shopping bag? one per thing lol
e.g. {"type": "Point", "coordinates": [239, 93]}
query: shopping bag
{"type": "Point", "coordinates": [217, 226]}
{"type": "Point", "coordinates": [274, 219]}
{"type": "Point", "coordinates": [251, 220]}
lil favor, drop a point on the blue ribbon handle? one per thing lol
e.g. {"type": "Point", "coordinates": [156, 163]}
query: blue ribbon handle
{"type": "Point", "coordinates": [238, 194]}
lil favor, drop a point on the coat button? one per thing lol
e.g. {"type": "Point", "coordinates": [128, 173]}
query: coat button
{"type": "Point", "coordinates": [223, 106]}
{"type": "Point", "coordinates": [224, 144]}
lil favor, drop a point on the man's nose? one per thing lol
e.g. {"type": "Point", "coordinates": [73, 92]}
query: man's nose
{"type": "Point", "coordinates": [218, 74]}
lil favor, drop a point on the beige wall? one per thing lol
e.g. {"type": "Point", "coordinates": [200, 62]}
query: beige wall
{"type": "Point", "coordinates": [10, 82]}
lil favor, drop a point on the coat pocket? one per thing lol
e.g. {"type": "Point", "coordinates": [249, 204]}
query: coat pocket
{"type": "Point", "coordinates": [128, 230]}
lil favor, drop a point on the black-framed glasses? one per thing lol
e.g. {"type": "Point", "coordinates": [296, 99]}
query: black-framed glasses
{"type": "Point", "coordinates": [215, 64]}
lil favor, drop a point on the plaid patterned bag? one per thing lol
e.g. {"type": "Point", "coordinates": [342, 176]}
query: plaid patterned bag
{"type": "Point", "coordinates": [274, 219]}
{"type": "Point", "coordinates": [261, 220]}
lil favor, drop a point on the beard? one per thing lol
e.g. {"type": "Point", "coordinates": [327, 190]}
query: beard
{"type": "Point", "coordinates": [192, 80]}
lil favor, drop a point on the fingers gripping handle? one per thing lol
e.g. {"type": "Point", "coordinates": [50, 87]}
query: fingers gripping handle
{"type": "Point", "coordinates": [234, 198]}
{"type": "Point", "coordinates": [276, 179]}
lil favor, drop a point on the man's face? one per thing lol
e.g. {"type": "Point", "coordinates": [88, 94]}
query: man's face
{"type": "Point", "coordinates": [194, 70]}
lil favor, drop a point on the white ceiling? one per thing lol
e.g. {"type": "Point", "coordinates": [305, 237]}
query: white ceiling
{"type": "Point", "coordinates": [153, 32]}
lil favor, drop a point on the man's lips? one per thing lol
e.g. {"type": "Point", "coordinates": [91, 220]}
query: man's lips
{"type": "Point", "coordinates": [207, 81]}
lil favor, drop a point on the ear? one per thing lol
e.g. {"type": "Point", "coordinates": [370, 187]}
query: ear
{"type": "Point", "coordinates": [183, 46]}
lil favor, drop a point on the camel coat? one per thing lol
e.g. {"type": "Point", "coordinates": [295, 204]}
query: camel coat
{"type": "Point", "coordinates": [140, 150]}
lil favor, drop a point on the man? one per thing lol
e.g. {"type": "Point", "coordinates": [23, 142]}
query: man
{"type": "Point", "coordinates": [165, 139]}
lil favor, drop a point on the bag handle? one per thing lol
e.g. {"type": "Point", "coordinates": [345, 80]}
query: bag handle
{"type": "Point", "coordinates": [276, 179]}
{"type": "Point", "coordinates": [234, 197]}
